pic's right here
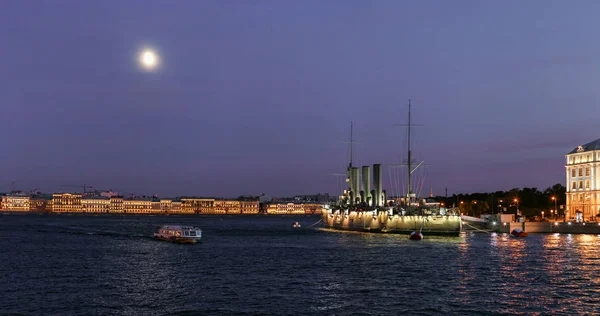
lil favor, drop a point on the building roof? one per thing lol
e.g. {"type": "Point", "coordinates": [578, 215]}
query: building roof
{"type": "Point", "coordinates": [95, 198]}
{"type": "Point", "coordinates": [595, 145]}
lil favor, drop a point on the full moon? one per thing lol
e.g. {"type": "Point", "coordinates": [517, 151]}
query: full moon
{"type": "Point", "coordinates": [148, 59]}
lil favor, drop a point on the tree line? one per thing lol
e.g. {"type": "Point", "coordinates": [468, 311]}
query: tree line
{"type": "Point", "coordinates": [530, 201]}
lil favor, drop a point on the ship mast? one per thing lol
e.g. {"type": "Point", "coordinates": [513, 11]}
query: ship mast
{"type": "Point", "coordinates": [409, 163]}
{"type": "Point", "coordinates": [350, 164]}
{"type": "Point", "coordinates": [409, 157]}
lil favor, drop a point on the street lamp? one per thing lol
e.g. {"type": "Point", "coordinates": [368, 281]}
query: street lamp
{"type": "Point", "coordinates": [517, 201]}
{"type": "Point", "coordinates": [542, 214]}
{"type": "Point", "coordinates": [555, 208]}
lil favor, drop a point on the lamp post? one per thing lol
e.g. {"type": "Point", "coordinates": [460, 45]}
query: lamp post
{"type": "Point", "coordinates": [542, 214]}
{"type": "Point", "coordinates": [555, 209]}
{"type": "Point", "coordinates": [517, 201]}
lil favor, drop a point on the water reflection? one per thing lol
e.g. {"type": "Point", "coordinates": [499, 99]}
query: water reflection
{"type": "Point", "coordinates": [255, 269]}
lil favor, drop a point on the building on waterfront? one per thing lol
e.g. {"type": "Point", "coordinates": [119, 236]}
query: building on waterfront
{"type": "Point", "coordinates": [66, 203]}
{"type": "Point", "coordinates": [15, 202]}
{"type": "Point", "coordinates": [197, 205]}
{"type": "Point", "coordinates": [294, 208]}
{"type": "Point", "coordinates": [116, 204]}
{"type": "Point", "coordinates": [249, 207]}
{"type": "Point", "coordinates": [40, 204]}
{"type": "Point", "coordinates": [175, 207]}
{"type": "Point", "coordinates": [166, 205]}
{"type": "Point", "coordinates": [216, 206]}
{"type": "Point", "coordinates": [95, 204]}
{"type": "Point", "coordinates": [583, 182]}
{"type": "Point", "coordinates": [139, 206]}
{"type": "Point", "coordinates": [226, 207]}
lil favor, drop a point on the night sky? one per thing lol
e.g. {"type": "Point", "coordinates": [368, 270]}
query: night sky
{"type": "Point", "coordinates": [257, 97]}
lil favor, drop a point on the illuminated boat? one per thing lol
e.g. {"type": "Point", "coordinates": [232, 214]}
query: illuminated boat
{"type": "Point", "coordinates": [179, 234]}
{"type": "Point", "coordinates": [296, 225]}
{"type": "Point", "coordinates": [518, 233]}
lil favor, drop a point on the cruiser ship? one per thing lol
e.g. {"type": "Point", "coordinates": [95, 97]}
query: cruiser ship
{"type": "Point", "coordinates": [361, 209]}
{"type": "Point", "coordinates": [179, 234]}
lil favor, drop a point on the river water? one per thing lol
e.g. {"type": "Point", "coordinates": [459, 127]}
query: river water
{"type": "Point", "coordinates": [109, 265]}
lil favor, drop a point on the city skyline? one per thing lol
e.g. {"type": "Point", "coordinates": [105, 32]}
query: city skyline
{"type": "Point", "coordinates": [253, 98]}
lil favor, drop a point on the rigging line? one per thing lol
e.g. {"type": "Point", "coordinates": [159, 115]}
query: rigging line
{"type": "Point", "coordinates": [392, 180]}
{"type": "Point", "coordinates": [397, 183]}
{"type": "Point", "coordinates": [315, 223]}
{"type": "Point", "coordinates": [485, 231]}
{"type": "Point", "coordinates": [392, 172]}
{"type": "Point", "coordinates": [423, 175]}
{"type": "Point", "coordinates": [402, 182]}
{"type": "Point", "coordinates": [422, 182]}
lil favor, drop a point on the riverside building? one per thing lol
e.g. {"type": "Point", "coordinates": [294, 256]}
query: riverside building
{"type": "Point", "coordinates": [95, 204]}
{"type": "Point", "coordinates": [15, 202]}
{"type": "Point", "coordinates": [294, 208]}
{"type": "Point", "coordinates": [138, 206]}
{"type": "Point", "coordinates": [66, 203]}
{"type": "Point", "coordinates": [583, 182]}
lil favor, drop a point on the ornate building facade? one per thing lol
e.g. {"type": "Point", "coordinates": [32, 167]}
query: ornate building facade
{"type": "Point", "coordinates": [96, 204]}
{"type": "Point", "coordinates": [15, 202]}
{"type": "Point", "coordinates": [583, 182]}
{"type": "Point", "coordinates": [294, 208]}
{"type": "Point", "coordinates": [66, 203]}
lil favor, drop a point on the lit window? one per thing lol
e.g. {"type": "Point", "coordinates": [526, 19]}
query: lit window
{"type": "Point", "coordinates": [581, 172]}
{"type": "Point", "coordinates": [580, 184]}
{"type": "Point", "coordinates": [587, 184]}
{"type": "Point", "coordinates": [573, 173]}
{"type": "Point", "coordinates": [587, 171]}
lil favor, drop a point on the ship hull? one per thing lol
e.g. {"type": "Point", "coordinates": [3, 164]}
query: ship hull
{"type": "Point", "coordinates": [178, 240]}
{"type": "Point", "coordinates": [450, 225]}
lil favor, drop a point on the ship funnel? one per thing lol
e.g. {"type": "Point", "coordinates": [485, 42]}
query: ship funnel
{"type": "Point", "coordinates": [366, 183]}
{"type": "Point", "coordinates": [377, 199]}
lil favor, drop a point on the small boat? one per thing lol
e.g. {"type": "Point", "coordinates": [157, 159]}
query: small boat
{"type": "Point", "coordinates": [179, 234]}
{"type": "Point", "coordinates": [518, 233]}
{"type": "Point", "coordinates": [416, 235]}
{"type": "Point", "coordinates": [296, 225]}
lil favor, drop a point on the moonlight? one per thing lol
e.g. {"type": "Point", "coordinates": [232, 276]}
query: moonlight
{"type": "Point", "coordinates": [148, 59]}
